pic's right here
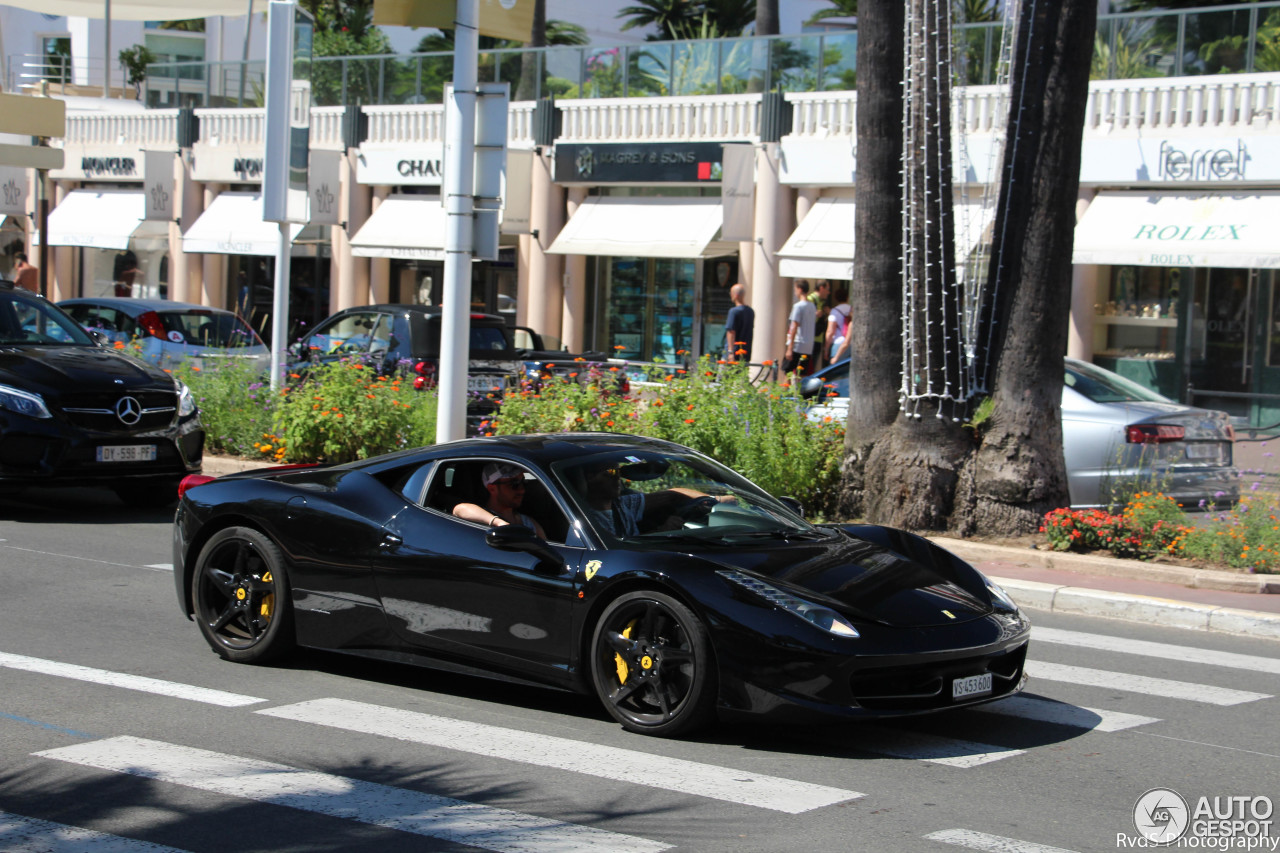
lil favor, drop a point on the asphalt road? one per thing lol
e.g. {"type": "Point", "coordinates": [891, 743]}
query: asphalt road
{"type": "Point", "coordinates": [121, 730]}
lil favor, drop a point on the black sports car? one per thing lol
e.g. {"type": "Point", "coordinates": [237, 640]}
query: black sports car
{"type": "Point", "coordinates": [669, 585]}
{"type": "Point", "coordinates": [76, 413]}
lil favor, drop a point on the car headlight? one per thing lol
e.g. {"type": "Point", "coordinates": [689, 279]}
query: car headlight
{"type": "Point", "coordinates": [23, 402]}
{"type": "Point", "coordinates": [1001, 597]}
{"type": "Point", "coordinates": [186, 400]}
{"type": "Point", "coordinates": [823, 617]}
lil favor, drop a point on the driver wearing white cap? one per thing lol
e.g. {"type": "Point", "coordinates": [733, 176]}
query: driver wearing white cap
{"type": "Point", "coordinates": [505, 484]}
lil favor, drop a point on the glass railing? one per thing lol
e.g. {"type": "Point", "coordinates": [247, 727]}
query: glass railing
{"type": "Point", "coordinates": [1223, 39]}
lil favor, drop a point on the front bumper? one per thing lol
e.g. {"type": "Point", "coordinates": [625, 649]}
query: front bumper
{"type": "Point", "coordinates": [47, 450]}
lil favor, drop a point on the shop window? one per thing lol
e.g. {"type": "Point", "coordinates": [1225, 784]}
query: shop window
{"type": "Point", "coordinates": [1139, 317]}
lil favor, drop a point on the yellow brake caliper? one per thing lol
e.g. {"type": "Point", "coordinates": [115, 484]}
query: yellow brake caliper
{"type": "Point", "coordinates": [268, 600]}
{"type": "Point", "coordinates": [617, 658]}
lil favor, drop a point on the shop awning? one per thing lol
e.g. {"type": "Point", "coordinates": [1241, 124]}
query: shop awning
{"type": "Point", "coordinates": [627, 227]}
{"type": "Point", "coordinates": [403, 226]}
{"type": "Point", "coordinates": [822, 244]}
{"type": "Point", "coordinates": [233, 225]}
{"type": "Point", "coordinates": [97, 219]}
{"type": "Point", "coordinates": [1181, 230]}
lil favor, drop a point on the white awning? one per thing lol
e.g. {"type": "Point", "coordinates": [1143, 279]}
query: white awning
{"type": "Point", "coordinates": [403, 226]}
{"type": "Point", "coordinates": [97, 219]}
{"type": "Point", "coordinates": [822, 244]}
{"type": "Point", "coordinates": [642, 227]}
{"type": "Point", "coordinates": [1181, 230]}
{"type": "Point", "coordinates": [233, 225]}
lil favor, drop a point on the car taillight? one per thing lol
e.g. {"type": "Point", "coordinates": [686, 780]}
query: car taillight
{"type": "Point", "coordinates": [191, 481]}
{"type": "Point", "coordinates": [150, 321]}
{"type": "Point", "coordinates": [1153, 433]}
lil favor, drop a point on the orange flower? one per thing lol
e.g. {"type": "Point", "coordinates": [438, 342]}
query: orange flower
{"type": "Point", "coordinates": [688, 420]}
{"type": "Point", "coordinates": [370, 397]}
{"type": "Point", "coordinates": [118, 345]}
{"type": "Point", "coordinates": [608, 423]}
{"type": "Point", "coordinates": [768, 364]}
{"type": "Point", "coordinates": [657, 402]}
{"type": "Point", "coordinates": [294, 376]}
{"type": "Point", "coordinates": [619, 347]}
{"type": "Point", "coordinates": [689, 407]}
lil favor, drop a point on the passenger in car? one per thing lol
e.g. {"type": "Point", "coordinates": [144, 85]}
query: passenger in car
{"type": "Point", "coordinates": [506, 486]}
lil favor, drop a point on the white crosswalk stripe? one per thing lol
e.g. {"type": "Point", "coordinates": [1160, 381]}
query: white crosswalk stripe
{"type": "Point", "coordinates": [20, 834]}
{"type": "Point", "coordinates": [477, 825]}
{"type": "Point", "coordinates": [1184, 654]}
{"type": "Point", "coordinates": [991, 843]}
{"type": "Point", "coordinates": [130, 682]}
{"type": "Point", "coordinates": [1063, 713]}
{"type": "Point", "coordinates": [606, 762]}
{"type": "Point", "coordinates": [951, 752]}
{"type": "Point", "coordinates": [1141, 684]}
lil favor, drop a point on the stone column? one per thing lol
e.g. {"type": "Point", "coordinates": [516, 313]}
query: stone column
{"type": "Point", "coordinates": [546, 216]}
{"type": "Point", "coordinates": [213, 275]}
{"type": "Point", "coordinates": [768, 295]}
{"type": "Point", "coordinates": [62, 278]}
{"type": "Point", "coordinates": [190, 204]}
{"type": "Point", "coordinates": [379, 268]}
{"type": "Point", "coordinates": [1084, 292]}
{"type": "Point", "coordinates": [573, 323]}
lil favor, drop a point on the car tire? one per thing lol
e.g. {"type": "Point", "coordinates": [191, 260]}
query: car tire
{"type": "Point", "coordinates": [147, 493]}
{"type": "Point", "coordinates": [652, 666]}
{"type": "Point", "coordinates": [240, 596]}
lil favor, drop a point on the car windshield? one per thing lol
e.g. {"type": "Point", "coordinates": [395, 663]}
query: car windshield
{"type": "Point", "coordinates": [27, 319]}
{"type": "Point", "coordinates": [1103, 386]}
{"type": "Point", "coordinates": [208, 329]}
{"type": "Point", "coordinates": [651, 496]}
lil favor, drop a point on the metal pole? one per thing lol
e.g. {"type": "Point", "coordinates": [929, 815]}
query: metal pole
{"type": "Point", "coordinates": [280, 307]}
{"type": "Point", "coordinates": [459, 167]}
{"type": "Point", "coordinates": [244, 56]}
{"type": "Point", "coordinates": [106, 51]}
{"type": "Point", "coordinates": [42, 188]}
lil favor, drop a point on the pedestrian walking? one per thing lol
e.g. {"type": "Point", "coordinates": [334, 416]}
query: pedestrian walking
{"type": "Point", "coordinates": [820, 296]}
{"type": "Point", "coordinates": [24, 274]}
{"type": "Point", "coordinates": [738, 326]}
{"type": "Point", "coordinates": [837, 336]}
{"type": "Point", "coordinates": [800, 327]}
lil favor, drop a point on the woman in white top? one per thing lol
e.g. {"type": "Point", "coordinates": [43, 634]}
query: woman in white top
{"type": "Point", "coordinates": [838, 326]}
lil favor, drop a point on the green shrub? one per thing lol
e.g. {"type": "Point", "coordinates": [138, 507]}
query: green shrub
{"type": "Point", "coordinates": [758, 430]}
{"type": "Point", "coordinates": [345, 411]}
{"type": "Point", "coordinates": [236, 404]}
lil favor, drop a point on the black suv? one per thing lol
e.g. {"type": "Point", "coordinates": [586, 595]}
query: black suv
{"type": "Point", "coordinates": [400, 337]}
{"type": "Point", "coordinates": [73, 412]}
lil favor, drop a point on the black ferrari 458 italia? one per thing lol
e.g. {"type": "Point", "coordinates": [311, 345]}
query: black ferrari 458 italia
{"type": "Point", "coordinates": [665, 583]}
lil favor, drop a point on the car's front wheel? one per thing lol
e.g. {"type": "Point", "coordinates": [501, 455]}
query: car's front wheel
{"type": "Point", "coordinates": [240, 595]}
{"type": "Point", "coordinates": [651, 665]}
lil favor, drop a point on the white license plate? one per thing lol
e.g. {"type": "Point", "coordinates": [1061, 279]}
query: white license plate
{"type": "Point", "coordinates": [974, 685]}
{"type": "Point", "coordinates": [128, 453]}
{"type": "Point", "coordinates": [1203, 451]}
{"type": "Point", "coordinates": [486, 384]}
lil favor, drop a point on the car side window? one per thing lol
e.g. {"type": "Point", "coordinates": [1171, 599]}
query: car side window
{"type": "Point", "coordinates": [350, 333]}
{"type": "Point", "coordinates": [461, 481]}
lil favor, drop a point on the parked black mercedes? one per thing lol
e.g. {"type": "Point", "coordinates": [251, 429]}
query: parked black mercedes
{"type": "Point", "coordinates": [73, 412]}
{"type": "Point", "coordinates": [663, 582]}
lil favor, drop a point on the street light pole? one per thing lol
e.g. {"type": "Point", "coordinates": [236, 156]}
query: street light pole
{"type": "Point", "coordinates": [459, 170]}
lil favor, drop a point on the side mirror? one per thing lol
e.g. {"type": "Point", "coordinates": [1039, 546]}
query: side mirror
{"type": "Point", "coordinates": [100, 337]}
{"type": "Point", "coordinates": [517, 537]}
{"type": "Point", "coordinates": [793, 505]}
{"type": "Point", "coordinates": [295, 350]}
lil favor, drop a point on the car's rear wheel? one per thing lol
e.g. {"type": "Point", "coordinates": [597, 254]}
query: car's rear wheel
{"type": "Point", "coordinates": [651, 665]}
{"type": "Point", "coordinates": [240, 594]}
{"type": "Point", "coordinates": [148, 493]}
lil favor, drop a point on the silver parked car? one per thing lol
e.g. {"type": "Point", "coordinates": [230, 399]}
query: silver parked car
{"type": "Point", "coordinates": [168, 333]}
{"type": "Point", "coordinates": [1115, 434]}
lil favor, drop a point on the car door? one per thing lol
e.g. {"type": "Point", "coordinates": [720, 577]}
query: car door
{"type": "Point", "coordinates": [447, 592]}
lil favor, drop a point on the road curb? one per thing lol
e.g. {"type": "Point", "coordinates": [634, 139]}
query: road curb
{"type": "Point", "coordinates": [1113, 567]}
{"type": "Point", "coordinates": [1165, 612]}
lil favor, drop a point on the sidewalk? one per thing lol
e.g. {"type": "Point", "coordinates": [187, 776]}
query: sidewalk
{"type": "Point", "coordinates": [1171, 596]}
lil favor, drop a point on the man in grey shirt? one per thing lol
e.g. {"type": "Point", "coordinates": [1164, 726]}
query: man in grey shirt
{"type": "Point", "coordinates": [800, 328]}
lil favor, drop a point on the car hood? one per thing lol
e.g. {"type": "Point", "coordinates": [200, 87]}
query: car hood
{"type": "Point", "coordinates": [50, 369]}
{"type": "Point", "coordinates": [864, 580]}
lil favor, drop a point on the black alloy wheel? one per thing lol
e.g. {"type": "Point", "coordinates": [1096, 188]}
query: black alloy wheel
{"type": "Point", "coordinates": [240, 595]}
{"type": "Point", "coordinates": [651, 665]}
